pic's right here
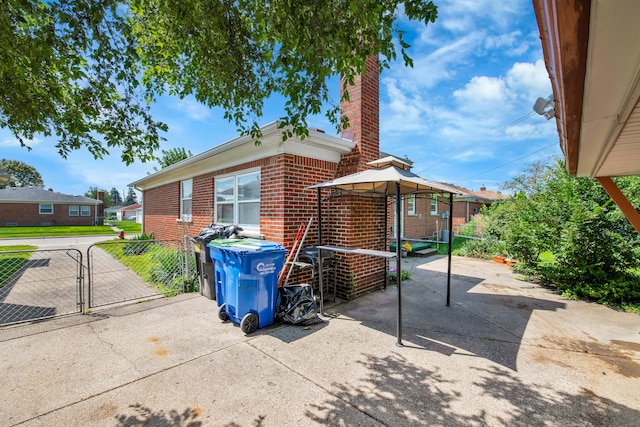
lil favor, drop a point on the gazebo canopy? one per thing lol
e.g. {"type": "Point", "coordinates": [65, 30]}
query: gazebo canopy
{"type": "Point", "coordinates": [382, 180]}
{"type": "Point", "coordinates": [391, 177]}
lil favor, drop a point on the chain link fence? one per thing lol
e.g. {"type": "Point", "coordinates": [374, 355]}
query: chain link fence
{"type": "Point", "coordinates": [39, 284]}
{"type": "Point", "coordinates": [121, 271]}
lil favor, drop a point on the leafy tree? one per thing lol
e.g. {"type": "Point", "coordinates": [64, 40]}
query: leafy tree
{"type": "Point", "coordinates": [85, 70]}
{"type": "Point", "coordinates": [115, 195]}
{"type": "Point", "coordinates": [21, 174]}
{"type": "Point", "coordinates": [69, 68]}
{"type": "Point", "coordinates": [171, 156]}
{"type": "Point", "coordinates": [93, 193]}
{"type": "Point", "coordinates": [131, 198]}
{"type": "Point", "coordinates": [568, 231]}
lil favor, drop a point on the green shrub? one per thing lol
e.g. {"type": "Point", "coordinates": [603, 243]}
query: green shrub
{"type": "Point", "coordinates": [484, 249]}
{"type": "Point", "coordinates": [393, 277]}
{"type": "Point", "coordinates": [138, 245]}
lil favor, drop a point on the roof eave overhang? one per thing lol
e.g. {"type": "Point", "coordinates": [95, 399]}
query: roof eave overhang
{"type": "Point", "coordinates": [564, 33]}
{"type": "Point", "coordinates": [244, 149]}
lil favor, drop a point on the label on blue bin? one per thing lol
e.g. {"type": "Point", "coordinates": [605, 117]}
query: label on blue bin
{"type": "Point", "coordinates": [264, 268]}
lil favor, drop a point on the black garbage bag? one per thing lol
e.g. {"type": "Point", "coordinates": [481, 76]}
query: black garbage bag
{"type": "Point", "coordinates": [217, 231]}
{"type": "Point", "coordinates": [296, 305]}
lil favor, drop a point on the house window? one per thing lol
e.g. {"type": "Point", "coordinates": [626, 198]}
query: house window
{"type": "Point", "coordinates": [85, 210]}
{"type": "Point", "coordinates": [411, 204]}
{"type": "Point", "coordinates": [237, 199]}
{"type": "Point", "coordinates": [186, 188]}
{"type": "Point", "coordinates": [46, 209]}
{"type": "Point", "coordinates": [74, 210]}
{"type": "Point", "coordinates": [434, 204]}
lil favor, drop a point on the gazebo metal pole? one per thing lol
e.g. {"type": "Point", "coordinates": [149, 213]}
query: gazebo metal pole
{"type": "Point", "coordinates": [320, 284]}
{"type": "Point", "coordinates": [386, 221]}
{"type": "Point", "coordinates": [319, 218]}
{"type": "Point", "coordinates": [399, 263]}
{"type": "Point", "coordinates": [450, 247]}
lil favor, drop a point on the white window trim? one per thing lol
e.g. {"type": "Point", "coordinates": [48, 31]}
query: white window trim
{"type": "Point", "coordinates": [411, 204]}
{"type": "Point", "coordinates": [185, 217]}
{"type": "Point", "coordinates": [434, 196]}
{"type": "Point", "coordinates": [85, 210]}
{"type": "Point", "coordinates": [235, 175]}
{"type": "Point", "coordinates": [45, 204]}
{"type": "Point", "coordinates": [77, 210]}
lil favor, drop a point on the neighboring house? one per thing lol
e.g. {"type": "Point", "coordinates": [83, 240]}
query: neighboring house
{"type": "Point", "coordinates": [264, 189]}
{"type": "Point", "coordinates": [34, 206]}
{"type": "Point", "coordinates": [131, 212]}
{"type": "Point", "coordinates": [427, 217]}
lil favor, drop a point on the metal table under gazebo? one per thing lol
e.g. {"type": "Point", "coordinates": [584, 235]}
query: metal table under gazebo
{"type": "Point", "coordinates": [389, 178]}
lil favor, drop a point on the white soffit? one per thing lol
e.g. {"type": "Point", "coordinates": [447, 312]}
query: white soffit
{"type": "Point", "coordinates": [609, 139]}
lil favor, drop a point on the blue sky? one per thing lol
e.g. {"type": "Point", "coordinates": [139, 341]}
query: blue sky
{"type": "Point", "coordinates": [462, 114]}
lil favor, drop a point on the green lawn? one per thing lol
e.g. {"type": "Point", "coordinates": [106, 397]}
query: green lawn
{"type": "Point", "coordinates": [54, 230]}
{"type": "Point", "coordinates": [127, 226]}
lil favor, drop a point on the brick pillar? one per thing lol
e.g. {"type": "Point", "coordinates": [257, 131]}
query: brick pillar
{"type": "Point", "coordinates": [358, 221]}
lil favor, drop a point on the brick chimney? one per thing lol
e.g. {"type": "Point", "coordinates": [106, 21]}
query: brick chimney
{"type": "Point", "coordinates": [359, 221]}
{"type": "Point", "coordinates": [100, 207]}
{"type": "Point", "coordinates": [363, 110]}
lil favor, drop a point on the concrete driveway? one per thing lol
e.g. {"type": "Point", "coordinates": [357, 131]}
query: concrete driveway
{"type": "Point", "coordinates": [506, 352]}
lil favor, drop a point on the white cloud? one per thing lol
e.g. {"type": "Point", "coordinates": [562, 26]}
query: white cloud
{"type": "Point", "coordinates": [529, 80]}
{"type": "Point", "coordinates": [473, 13]}
{"type": "Point", "coordinates": [482, 94]}
{"type": "Point", "coordinates": [192, 108]}
{"type": "Point", "coordinates": [11, 141]}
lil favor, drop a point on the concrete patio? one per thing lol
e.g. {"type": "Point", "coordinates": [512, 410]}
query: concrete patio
{"type": "Point", "coordinates": [505, 352]}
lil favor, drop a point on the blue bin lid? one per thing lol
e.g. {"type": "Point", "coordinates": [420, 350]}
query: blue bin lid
{"type": "Point", "coordinates": [245, 245]}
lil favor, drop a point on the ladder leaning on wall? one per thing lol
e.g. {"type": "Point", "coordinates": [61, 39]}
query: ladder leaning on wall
{"type": "Point", "coordinates": [292, 258]}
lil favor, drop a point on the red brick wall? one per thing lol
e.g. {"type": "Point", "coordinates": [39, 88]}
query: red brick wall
{"type": "Point", "coordinates": [28, 214]}
{"type": "Point", "coordinates": [285, 200]}
{"type": "Point", "coordinates": [356, 222]}
{"type": "Point", "coordinates": [423, 224]}
{"type": "Point", "coordinates": [161, 209]}
{"type": "Point", "coordinates": [460, 213]}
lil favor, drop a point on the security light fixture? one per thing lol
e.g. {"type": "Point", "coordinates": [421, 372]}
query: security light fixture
{"type": "Point", "coordinates": [541, 105]}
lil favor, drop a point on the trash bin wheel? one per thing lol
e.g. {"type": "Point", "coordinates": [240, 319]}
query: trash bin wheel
{"type": "Point", "coordinates": [222, 313]}
{"type": "Point", "coordinates": [249, 323]}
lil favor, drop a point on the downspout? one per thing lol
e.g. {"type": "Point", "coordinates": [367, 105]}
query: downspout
{"type": "Point", "coordinates": [141, 205]}
{"type": "Point", "coordinates": [450, 248]}
{"type": "Point", "coordinates": [621, 201]}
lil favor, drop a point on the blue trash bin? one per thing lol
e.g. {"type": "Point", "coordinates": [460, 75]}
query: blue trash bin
{"type": "Point", "coordinates": [246, 273]}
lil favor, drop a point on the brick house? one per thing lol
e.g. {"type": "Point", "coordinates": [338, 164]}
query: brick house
{"type": "Point", "coordinates": [34, 206]}
{"type": "Point", "coordinates": [424, 217]}
{"type": "Point", "coordinates": [264, 188]}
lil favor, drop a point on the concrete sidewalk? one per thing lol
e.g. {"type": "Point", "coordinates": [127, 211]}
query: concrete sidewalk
{"type": "Point", "coordinates": [506, 352]}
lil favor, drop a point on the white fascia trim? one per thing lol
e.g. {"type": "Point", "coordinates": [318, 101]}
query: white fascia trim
{"type": "Point", "coordinates": [243, 149]}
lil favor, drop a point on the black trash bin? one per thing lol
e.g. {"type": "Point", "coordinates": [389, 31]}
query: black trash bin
{"type": "Point", "coordinates": [204, 262]}
{"type": "Point", "coordinates": [207, 281]}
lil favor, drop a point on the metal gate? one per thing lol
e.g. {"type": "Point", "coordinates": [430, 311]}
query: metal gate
{"type": "Point", "coordinates": [39, 284]}
{"type": "Point", "coordinates": [129, 270]}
